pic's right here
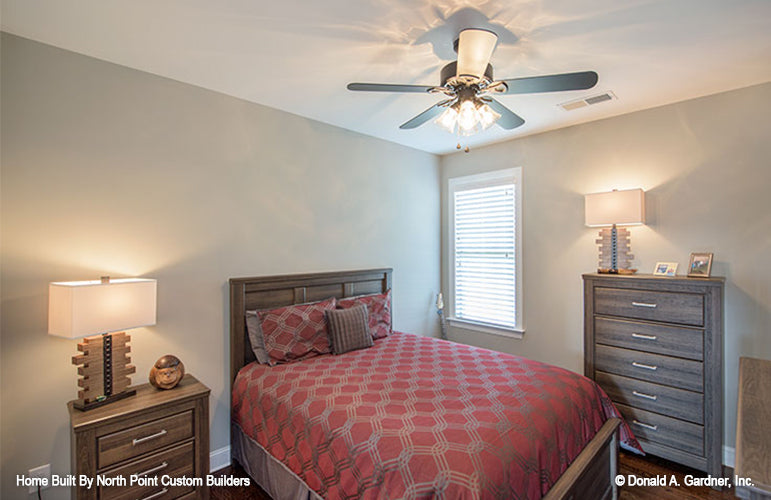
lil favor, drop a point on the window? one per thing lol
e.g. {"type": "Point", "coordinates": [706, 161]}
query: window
{"type": "Point", "coordinates": [485, 251]}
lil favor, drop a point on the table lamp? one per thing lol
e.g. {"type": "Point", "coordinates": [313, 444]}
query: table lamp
{"type": "Point", "coordinates": [615, 208]}
{"type": "Point", "coordinates": [99, 311]}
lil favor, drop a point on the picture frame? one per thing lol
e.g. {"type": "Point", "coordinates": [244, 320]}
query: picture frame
{"type": "Point", "coordinates": [665, 269]}
{"type": "Point", "coordinates": [700, 265]}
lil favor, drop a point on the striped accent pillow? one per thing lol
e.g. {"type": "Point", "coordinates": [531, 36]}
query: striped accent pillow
{"type": "Point", "coordinates": [349, 329]}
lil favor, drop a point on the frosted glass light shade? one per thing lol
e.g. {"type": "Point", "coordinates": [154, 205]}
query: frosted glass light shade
{"type": "Point", "coordinates": [475, 47]}
{"type": "Point", "coordinates": [448, 119]}
{"type": "Point", "coordinates": [82, 308]}
{"type": "Point", "coordinates": [622, 208]}
{"type": "Point", "coordinates": [487, 116]}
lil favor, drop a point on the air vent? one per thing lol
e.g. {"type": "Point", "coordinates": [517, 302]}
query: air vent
{"type": "Point", "coordinates": [587, 101]}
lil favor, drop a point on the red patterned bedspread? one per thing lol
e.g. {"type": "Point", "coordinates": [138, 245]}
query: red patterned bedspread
{"type": "Point", "coordinates": [417, 417]}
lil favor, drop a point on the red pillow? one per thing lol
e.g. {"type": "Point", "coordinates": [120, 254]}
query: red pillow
{"type": "Point", "coordinates": [379, 307]}
{"type": "Point", "coordinates": [296, 332]}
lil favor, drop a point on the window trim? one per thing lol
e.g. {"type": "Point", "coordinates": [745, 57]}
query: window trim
{"type": "Point", "coordinates": [487, 179]}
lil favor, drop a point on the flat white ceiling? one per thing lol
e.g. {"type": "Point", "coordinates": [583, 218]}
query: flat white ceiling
{"type": "Point", "coordinates": [298, 55]}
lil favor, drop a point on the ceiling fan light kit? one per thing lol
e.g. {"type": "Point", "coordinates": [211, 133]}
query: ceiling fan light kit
{"type": "Point", "coordinates": [467, 117]}
{"type": "Point", "coordinates": [468, 85]}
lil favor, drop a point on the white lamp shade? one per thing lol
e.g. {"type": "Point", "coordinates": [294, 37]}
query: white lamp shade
{"type": "Point", "coordinates": [475, 47]}
{"type": "Point", "coordinates": [81, 308]}
{"type": "Point", "coordinates": [615, 207]}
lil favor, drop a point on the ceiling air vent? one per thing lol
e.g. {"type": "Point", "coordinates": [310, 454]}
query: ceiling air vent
{"type": "Point", "coordinates": [587, 101]}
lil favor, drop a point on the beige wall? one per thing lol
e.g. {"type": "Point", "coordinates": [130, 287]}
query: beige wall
{"type": "Point", "coordinates": [107, 170]}
{"type": "Point", "coordinates": [704, 165]}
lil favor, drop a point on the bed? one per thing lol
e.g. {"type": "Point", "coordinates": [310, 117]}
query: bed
{"type": "Point", "coordinates": [411, 416]}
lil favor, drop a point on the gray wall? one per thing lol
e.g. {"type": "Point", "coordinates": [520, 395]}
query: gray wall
{"type": "Point", "coordinates": [704, 165]}
{"type": "Point", "coordinates": [107, 170]}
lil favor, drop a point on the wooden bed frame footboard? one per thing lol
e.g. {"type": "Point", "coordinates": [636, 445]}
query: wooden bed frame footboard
{"type": "Point", "coordinates": [592, 473]}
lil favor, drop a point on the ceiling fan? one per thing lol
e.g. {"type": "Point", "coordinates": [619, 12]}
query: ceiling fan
{"type": "Point", "coordinates": [468, 85]}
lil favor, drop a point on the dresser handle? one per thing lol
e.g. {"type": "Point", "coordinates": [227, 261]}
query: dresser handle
{"type": "Point", "coordinates": [642, 365]}
{"type": "Point", "coordinates": [644, 337]}
{"type": "Point", "coordinates": [155, 495]}
{"type": "Point", "coordinates": [153, 470]}
{"type": "Point", "coordinates": [644, 304]}
{"type": "Point", "coordinates": [149, 438]}
{"type": "Point", "coordinates": [646, 396]}
{"type": "Point", "coordinates": [647, 426]}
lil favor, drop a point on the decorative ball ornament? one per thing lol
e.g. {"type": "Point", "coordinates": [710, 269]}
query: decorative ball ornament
{"type": "Point", "coordinates": [167, 372]}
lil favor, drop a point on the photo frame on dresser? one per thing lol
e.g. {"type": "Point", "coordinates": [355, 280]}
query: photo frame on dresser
{"type": "Point", "coordinates": [700, 265]}
{"type": "Point", "coordinates": [665, 269]}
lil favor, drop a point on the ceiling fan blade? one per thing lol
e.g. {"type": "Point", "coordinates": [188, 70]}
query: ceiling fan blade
{"type": "Point", "coordinates": [508, 120]}
{"type": "Point", "coordinates": [475, 47]}
{"type": "Point", "coordinates": [551, 83]}
{"type": "Point", "coordinates": [423, 117]}
{"type": "Point", "coordinates": [388, 87]}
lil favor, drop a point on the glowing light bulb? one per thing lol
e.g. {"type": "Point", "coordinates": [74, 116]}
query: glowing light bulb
{"type": "Point", "coordinates": [468, 118]}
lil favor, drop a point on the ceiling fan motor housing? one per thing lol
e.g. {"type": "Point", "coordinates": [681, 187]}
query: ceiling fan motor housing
{"type": "Point", "coordinates": [451, 69]}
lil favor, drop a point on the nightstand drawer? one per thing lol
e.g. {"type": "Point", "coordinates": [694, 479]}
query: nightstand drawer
{"type": "Point", "coordinates": [151, 492]}
{"type": "Point", "coordinates": [669, 307]}
{"type": "Point", "coordinates": [175, 462]}
{"type": "Point", "coordinates": [134, 441]}
{"type": "Point", "coordinates": [663, 430]}
{"type": "Point", "coordinates": [661, 339]}
{"type": "Point", "coordinates": [674, 372]}
{"type": "Point", "coordinates": [677, 403]}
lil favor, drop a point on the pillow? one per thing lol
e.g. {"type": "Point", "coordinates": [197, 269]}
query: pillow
{"type": "Point", "coordinates": [379, 307]}
{"type": "Point", "coordinates": [296, 332]}
{"type": "Point", "coordinates": [255, 337]}
{"type": "Point", "coordinates": [349, 329]}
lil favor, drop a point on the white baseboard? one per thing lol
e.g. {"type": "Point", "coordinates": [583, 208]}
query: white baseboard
{"type": "Point", "coordinates": [219, 459]}
{"type": "Point", "coordinates": [729, 456]}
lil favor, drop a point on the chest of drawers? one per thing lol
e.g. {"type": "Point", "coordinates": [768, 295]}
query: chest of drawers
{"type": "Point", "coordinates": [655, 346]}
{"type": "Point", "coordinates": [153, 434]}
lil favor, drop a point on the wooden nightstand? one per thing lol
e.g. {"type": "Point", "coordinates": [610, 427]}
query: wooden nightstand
{"type": "Point", "coordinates": [152, 434]}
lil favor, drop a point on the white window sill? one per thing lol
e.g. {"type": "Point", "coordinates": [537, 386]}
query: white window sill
{"type": "Point", "coordinates": [514, 333]}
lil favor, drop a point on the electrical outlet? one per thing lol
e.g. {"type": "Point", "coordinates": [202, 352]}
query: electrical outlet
{"type": "Point", "coordinates": [42, 472]}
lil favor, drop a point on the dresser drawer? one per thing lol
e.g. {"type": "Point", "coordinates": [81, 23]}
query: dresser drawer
{"type": "Point", "coordinates": [655, 368]}
{"type": "Point", "coordinates": [668, 307]}
{"type": "Point", "coordinates": [661, 339]}
{"type": "Point", "coordinates": [663, 430]}
{"type": "Point", "coordinates": [144, 438]}
{"type": "Point", "coordinates": [677, 403]}
{"type": "Point", "coordinates": [176, 462]}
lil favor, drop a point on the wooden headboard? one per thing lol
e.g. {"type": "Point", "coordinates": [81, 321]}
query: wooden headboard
{"type": "Point", "coordinates": [268, 292]}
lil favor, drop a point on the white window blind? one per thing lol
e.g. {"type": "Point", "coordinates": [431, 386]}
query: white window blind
{"type": "Point", "coordinates": [485, 275]}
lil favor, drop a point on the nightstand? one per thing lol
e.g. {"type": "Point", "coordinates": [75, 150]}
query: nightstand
{"type": "Point", "coordinates": [152, 434]}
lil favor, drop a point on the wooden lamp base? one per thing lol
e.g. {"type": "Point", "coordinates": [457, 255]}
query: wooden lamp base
{"type": "Point", "coordinates": [104, 374]}
{"type": "Point", "coordinates": [615, 256]}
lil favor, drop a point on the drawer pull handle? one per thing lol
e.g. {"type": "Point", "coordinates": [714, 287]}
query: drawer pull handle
{"type": "Point", "coordinates": [644, 304]}
{"type": "Point", "coordinates": [156, 494]}
{"type": "Point", "coordinates": [153, 470]}
{"type": "Point", "coordinates": [647, 426]}
{"type": "Point", "coordinates": [646, 396]}
{"type": "Point", "coordinates": [643, 336]}
{"type": "Point", "coordinates": [643, 365]}
{"type": "Point", "coordinates": [149, 438]}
